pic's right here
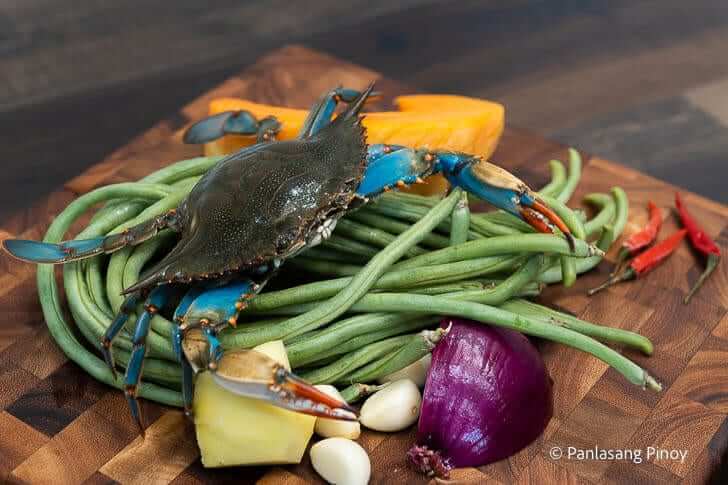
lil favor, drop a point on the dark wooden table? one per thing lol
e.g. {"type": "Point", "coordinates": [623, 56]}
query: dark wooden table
{"type": "Point", "coordinates": [57, 425]}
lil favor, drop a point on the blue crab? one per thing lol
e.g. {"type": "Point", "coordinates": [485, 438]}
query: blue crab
{"type": "Point", "coordinates": [252, 211]}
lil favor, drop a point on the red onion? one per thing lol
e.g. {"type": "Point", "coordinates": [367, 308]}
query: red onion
{"type": "Point", "coordinates": [487, 396]}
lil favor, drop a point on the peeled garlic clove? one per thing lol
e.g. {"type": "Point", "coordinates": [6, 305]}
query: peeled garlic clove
{"type": "Point", "coordinates": [341, 461]}
{"type": "Point", "coordinates": [331, 428]}
{"type": "Point", "coordinates": [394, 408]}
{"type": "Point", "coordinates": [416, 372]}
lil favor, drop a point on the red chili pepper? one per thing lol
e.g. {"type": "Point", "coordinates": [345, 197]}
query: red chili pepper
{"type": "Point", "coordinates": [640, 240]}
{"type": "Point", "coordinates": [700, 241]}
{"type": "Point", "coordinates": [646, 261]}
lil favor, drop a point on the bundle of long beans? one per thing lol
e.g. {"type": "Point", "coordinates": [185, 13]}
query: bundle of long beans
{"type": "Point", "coordinates": [390, 270]}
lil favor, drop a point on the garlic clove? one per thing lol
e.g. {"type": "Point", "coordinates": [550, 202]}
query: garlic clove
{"type": "Point", "coordinates": [331, 428]}
{"type": "Point", "coordinates": [394, 408]}
{"type": "Point", "coordinates": [341, 461]}
{"type": "Point", "coordinates": [416, 372]}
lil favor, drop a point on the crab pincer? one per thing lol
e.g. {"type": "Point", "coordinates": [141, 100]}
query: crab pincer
{"type": "Point", "coordinates": [502, 189]}
{"type": "Point", "coordinates": [253, 374]}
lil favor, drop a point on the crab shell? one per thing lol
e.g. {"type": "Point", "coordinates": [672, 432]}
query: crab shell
{"type": "Point", "coordinates": [264, 204]}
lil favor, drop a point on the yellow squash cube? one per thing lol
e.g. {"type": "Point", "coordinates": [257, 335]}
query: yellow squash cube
{"type": "Point", "coordinates": [236, 430]}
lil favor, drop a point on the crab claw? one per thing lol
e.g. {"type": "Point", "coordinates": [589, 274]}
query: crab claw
{"type": "Point", "coordinates": [542, 218]}
{"type": "Point", "coordinates": [253, 374]}
{"type": "Point", "coordinates": [501, 188]}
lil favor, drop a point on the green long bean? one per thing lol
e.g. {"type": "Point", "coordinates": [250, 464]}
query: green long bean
{"type": "Point", "coordinates": [394, 302]}
{"type": "Point", "coordinates": [460, 220]}
{"type": "Point", "coordinates": [499, 245]}
{"type": "Point", "coordinates": [92, 299]}
{"type": "Point", "coordinates": [607, 211]}
{"type": "Point", "coordinates": [568, 264]}
{"type": "Point", "coordinates": [352, 246]}
{"type": "Point", "coordinates": [371, 236]}
{"type": "Point", "coordinates": [51, 302]}
{"type": "Point", "coordinates": [558, 179]}
{"type": "Point", "coordinates": [494, 295]}
{"type": "Point", "coordinates": [411, 324]}
{"type": "Point", "coordinates": [599, 332]}
{"type": "Point", "coordinates": [354, 360]}
{"type": "Point", "coordinates": [573, 178]}
{"type": "Point", "coordinates": [327, 342]}
{"type": "Point", "coordinates": [610, 233]}
{"type": "Point", "coordinates": [418, 346]}
{"type": "Point", "coordinates": [395, 279]}
{"type": "Point", "coordinates": [394, 226]}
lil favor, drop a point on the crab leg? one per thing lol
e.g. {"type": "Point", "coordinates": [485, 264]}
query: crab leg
{"type": "Point", "coordinates": [177, 336]}
{"type": "Point", "coordinates": [156, 300]}
{"type": "Point", "coordinates": [213, 309]}
{"type": "Point", "coordinates": [127, 307]}
{"type": "Point", "coordinates": [232, 123]}
{"type": "Point", "coordinates": [391, 166]}
{"type": "Point", "coordinates": [321, 112]}
{"type": "Point", "coordinates": [40, 252]}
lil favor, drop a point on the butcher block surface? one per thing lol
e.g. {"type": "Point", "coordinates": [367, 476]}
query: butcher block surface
{"type": "Point", "coordinates": [58, 425]}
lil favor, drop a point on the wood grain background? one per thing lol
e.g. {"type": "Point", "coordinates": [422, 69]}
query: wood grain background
{"type": "Point", "coordinates": [60, 426]}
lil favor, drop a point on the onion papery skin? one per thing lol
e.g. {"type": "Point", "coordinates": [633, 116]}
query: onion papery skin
{"type": "Point", "coordinates": [487, 396]}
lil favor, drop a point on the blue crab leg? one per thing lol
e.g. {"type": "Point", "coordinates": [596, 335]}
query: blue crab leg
{"type": "Point", "coordinates": [127, 307]}
{"type": "Point", "coordinates": [391, 166]}
{"type": "Point", "coordinates": [212, 309]}
{"type": "Point", "coordinates": [205, 306]}
{"type": "Point", "coordinates": [177, 336]}
{"type": "Point", "coordinates": [232, 123]}
{"type": "Point", "coordinates": [187, 386]}
{"type": "Point", "coordinates": [178, 318]}
{"type": "Point", "coordinates": [41, 252]}
{"type": "Point", "coordinates": [156, 300]}
{"type": "Point", "coordinates": [321, 112]}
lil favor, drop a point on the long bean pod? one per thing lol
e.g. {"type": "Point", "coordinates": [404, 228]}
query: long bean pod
{"type": "Point", "coordinates": [607, 210]}
{"type": "Point", "coordinates": [568, 264]}
{"type": "Point", "coordinates": [572, 180]}
{"type": "Point", "coordinates": [418, 346]}
{"type": "Point", "coordinates": [410, 323]}
{"type": "Point", "coordinates": [371, 236]}
{"type": "Point", "coordinates": [51, 302]}
{"type": "Point", "coordinates": [460, 220]}
{"type": "Point", "coordinates": [599, 332]}
{"type": "Point", "coordinates": [499, 245]}
{"type": "Point", "coordinates": [558, 179]}
{"type": "Point", "coordinates": [395, 279]}
{"type": "Point", "coordinates": [494, 295]}
{"type": "Point", "coordinates": [354, 360]}
{"type": "Point", "coordinates": [394, 302]}
{"type": "Point", "coordinates": [394, 226]}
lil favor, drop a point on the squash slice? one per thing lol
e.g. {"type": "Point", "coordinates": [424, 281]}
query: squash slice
{"type": "Point", "coordinates": [438, 122]}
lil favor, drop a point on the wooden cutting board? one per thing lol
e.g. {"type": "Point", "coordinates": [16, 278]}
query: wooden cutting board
{"type": "Point", "coordinates": [58, 425]}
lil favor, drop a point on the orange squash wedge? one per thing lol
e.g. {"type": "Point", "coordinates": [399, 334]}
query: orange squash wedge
{"type": "Point", "coordinates": [442, 122]}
